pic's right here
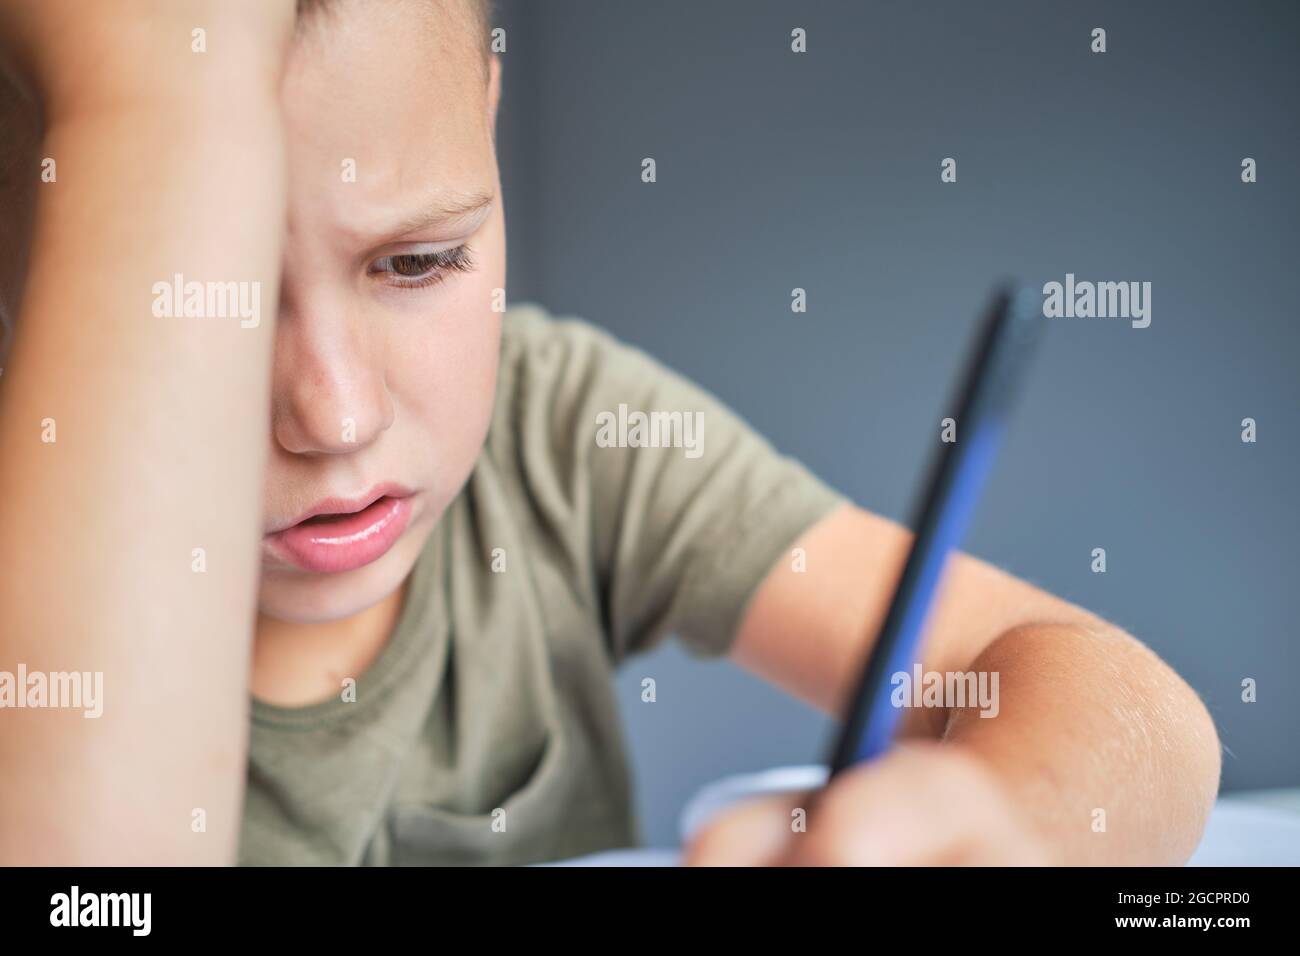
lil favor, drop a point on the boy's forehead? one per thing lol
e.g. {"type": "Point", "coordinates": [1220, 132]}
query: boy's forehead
{"type": "Point", "coordinates": [396, 92]}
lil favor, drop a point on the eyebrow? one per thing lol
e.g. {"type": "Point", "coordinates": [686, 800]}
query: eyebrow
{"type": "Point", "coordinates": [449, 210]}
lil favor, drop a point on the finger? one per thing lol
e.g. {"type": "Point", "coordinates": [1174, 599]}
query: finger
{"type": "Point", "coordinates": [752, 833]}
{"type": "Point", "coordinates": [920, 804]}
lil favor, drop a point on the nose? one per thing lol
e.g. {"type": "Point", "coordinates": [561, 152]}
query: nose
{"type": "Point", "coordinates": [329, 394]}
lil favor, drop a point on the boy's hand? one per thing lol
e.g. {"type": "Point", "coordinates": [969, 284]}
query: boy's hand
{"type": "Point", "coordinates": [923, 804]}
{"type": "Point", "coordinates": [74, 54]}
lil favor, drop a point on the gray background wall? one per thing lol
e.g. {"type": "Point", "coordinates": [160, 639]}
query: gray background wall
{"type": "Point", "coordinates": [821, 170]}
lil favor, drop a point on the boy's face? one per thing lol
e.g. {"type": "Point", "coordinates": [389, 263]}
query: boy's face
{"type": "Point", "coordinates": [386, 347]}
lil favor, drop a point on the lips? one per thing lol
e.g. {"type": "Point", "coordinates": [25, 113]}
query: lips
{"type": "Point", "coordinates": [338, 535]}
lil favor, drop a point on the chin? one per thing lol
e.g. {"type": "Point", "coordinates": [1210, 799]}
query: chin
{"type": "Point", "coordinates": [301, 597]}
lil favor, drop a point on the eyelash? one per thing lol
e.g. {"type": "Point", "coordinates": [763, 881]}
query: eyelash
{"type": "Point", "coordinates": [433, 267]}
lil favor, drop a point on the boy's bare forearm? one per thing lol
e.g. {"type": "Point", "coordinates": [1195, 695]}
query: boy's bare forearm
{"type": "Point", "coordinates": [133, 449]}
{"type": "Point", "coordinates": [1092, 729]}
{"type": "Point", "coordinates": [1109, 753]}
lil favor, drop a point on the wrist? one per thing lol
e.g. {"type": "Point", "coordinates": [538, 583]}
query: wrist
{"type": "Point", "coordinates": [76, 58]}
{"type": "Point", "coordinates": [173, 90]}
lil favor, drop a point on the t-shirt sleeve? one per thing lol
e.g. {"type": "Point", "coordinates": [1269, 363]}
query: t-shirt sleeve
{"type": "Point", "coordinates": [671, 506]}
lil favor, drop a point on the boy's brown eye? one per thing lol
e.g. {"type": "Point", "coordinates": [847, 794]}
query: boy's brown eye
{"type": "Point", "coordinates": [413, 265]}
{"type": "Point", "coordinates": [414, 269]}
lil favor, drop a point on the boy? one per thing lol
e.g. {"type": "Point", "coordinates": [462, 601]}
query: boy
{"type": "Point", "coordinates": [450, 563]}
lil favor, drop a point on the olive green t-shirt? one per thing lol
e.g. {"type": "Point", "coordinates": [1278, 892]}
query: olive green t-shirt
{"type": "Point", "coordinates": [487, 730]}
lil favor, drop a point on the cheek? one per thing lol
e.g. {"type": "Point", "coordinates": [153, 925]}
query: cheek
{"type": "Point", "coordinates": [442, 376]}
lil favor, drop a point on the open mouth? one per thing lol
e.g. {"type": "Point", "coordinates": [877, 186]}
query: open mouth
{"type": "Point", "coordinates": [342, 538]}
